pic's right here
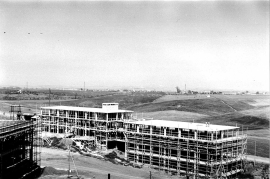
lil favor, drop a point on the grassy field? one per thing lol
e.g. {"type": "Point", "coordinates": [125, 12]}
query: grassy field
{"type": "Point", "coordinates": [172, 115]}
{"type": "Point", "coordinates": [86, 99]}
{"type": "Point", "coordinates": [124, 99]}
{"type": "Point", "coordinates": [207, 106]}
{"type": "Point", "coordinates": [250, 112]}
{"type": "Point", "coordinates": [258, 144]}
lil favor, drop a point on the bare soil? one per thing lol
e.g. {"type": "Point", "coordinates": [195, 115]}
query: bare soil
{"type": "Point", "coordinates": [90, 167]}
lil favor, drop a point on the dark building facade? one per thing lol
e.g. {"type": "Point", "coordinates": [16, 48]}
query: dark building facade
{"type": "Point", "coordinates": [19, 149]}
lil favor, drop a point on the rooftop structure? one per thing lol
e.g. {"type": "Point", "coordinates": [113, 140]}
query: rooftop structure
{"type": "Point", "coordinates": [106, 108]}
{"type": "Point", "coordinates": [183, 148]}
{"type": "Point", "coordinates": [185, 125]}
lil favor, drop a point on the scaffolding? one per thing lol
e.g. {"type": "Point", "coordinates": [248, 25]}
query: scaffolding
{"type": "Point", "coordinates": [190, 149]}
{"type": "Point", "coordinates": [15, 112]}
{"type": "Point", "coordinates": [190, 152]}
{"type": "Point", "coordinates": [104, 124]}
{"type": "Point", "coordinates": [19, 149]}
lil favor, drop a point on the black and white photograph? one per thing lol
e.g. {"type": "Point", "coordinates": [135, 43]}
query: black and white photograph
{"type": "Point", "coordinates": [105, 89]}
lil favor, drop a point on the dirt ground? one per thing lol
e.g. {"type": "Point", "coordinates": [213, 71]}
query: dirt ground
{"type": "Point", "coordinates": [89, 167]}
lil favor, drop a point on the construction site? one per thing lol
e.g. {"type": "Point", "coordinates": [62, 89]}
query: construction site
{"type": "Point", "coordinates": [194, 150]}
{"type": "Point", "coordinates": [19, 149]}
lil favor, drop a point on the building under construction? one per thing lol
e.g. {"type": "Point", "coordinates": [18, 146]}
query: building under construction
{"type": "Point", "coordinates": [192, 149]}
{"type": "Point", "coordinates": [19, 149]}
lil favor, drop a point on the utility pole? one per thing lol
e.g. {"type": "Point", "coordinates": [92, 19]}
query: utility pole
{"type": "Point", "coordinates": [69, 171]}
{"type": "Point", "coordinates": [255, 153]}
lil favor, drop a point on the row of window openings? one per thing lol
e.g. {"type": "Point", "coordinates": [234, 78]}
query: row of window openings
{"type": "Point", "coordinates": [88, 114]}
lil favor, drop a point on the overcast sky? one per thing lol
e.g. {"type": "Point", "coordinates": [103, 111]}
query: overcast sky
{"type": "Point", "coordinates": [161, 45]}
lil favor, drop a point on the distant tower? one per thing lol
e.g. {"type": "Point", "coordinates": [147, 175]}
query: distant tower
{"type": "Point", "coordinates": [15, 112]}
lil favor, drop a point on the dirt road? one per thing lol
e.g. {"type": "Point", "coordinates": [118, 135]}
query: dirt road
{"type": "Point", "coordinates": [91, 167]}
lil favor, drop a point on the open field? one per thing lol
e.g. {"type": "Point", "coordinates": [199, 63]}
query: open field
{"type": "Point", "coordinates": [208, 106]}
{"type": "Point", "coordinates": [173, 115]}
{"type": "Point", "coordinates": [84, 98]}
{"type": "Point", "coordinates": [125, 99]}
{"type": "Point", "coordinates": [45, 94]}
{"type": "Point", "coordinates": [179, 97]}
{"type": "Point", "coordinates": [249, 112]}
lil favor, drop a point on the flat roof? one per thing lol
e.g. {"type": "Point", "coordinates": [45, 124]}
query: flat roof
{"type": "Point", "coordinates": [184, 125]}
{"type": "Point", "coordinates": [85, 109]}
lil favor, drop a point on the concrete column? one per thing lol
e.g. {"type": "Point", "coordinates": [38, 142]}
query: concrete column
{"type": "Point", "coordinates": [164, 131]}
{"type": "Point", "coordinates": [151, 129]}
{"type": "Point", "coordinates": [107, 117]}
{"type": "Point", "coordinates": [106, 139]}
{"type": "Point", "coordinates": [164, 153]}
{"type": "Point", "coordinates": [126, 145]}
{"type": "Point", "coordinates": [116, 116]}
{"type": "Point", "coordinates": [85, 132]}
{"type": "Point", "coordinates": [137, 154]}
{"type": "Point", "coordinates": [150, 156]}
{"type": "Point", "coordinates": [179, 133]}
{"type": "Point", "coordinates": [195, 166]}
{"type": "Point", "coordinates": [138, 128]}
{"type": "Point", "coordinates": [222, 134]}
{"type": "Point", "coordinates": [85, 115]}
{"type": "Point", "coordinates": [95, 114]}
{"type": "Point", "coordinates": [196, 135]}
{"type": "Point", "coordinates": [57, 113]}
{"type": "Point", "coordinates": [212, 136]}
{"type": "Point", "coordinates": [49, 124]}
{"type": "Point", "coordinates": [57, 123]}
{"type": "Point", "coordinates": [76, 129]}
{"type": "Point", "coordinates": [66, 130]}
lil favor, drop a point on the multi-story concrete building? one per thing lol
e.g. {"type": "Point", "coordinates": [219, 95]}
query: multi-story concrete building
{"type": "Point", "coordinates": [105, 124]}
{"type": "Point", "coordinates": [190, 149]}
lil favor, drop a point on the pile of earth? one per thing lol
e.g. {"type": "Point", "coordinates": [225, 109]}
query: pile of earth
{"type": "Point", "coordinates": [53, 171]}
{"type": "Point", "coordinates": [115, 156]}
